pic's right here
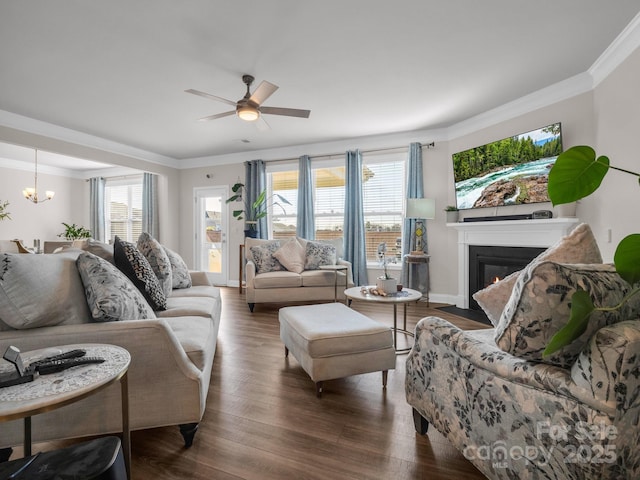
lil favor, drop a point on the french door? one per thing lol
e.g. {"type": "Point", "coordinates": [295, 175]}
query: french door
{"type": "Point", "coordinates": [211, 225]}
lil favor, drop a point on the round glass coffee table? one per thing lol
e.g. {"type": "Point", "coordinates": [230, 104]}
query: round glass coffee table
{"type": "Point", "coordinates": [404, 297]}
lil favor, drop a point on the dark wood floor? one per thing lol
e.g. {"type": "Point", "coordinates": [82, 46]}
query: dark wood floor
{"type": "Point", "coordinates": [263, 420]}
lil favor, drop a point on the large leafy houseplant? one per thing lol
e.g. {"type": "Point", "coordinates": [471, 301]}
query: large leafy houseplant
{"type": "Point", "coordinates": [576, 174]}
{"type": "Point", "coordinates": [254, 211]}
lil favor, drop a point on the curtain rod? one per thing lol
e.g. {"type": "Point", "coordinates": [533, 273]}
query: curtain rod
{"type": "Point", "coordinates": [119, 177]}
{"type": "Point", "coordinates": [330, 155]}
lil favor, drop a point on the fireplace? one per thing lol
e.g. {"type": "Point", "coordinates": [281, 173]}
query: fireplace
{"type": "Point", "coordinates": [539, 233]}
{"type": "Point", "coordinates": [489, 264]}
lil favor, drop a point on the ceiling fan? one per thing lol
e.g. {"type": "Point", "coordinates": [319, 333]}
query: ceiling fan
{"type": "Point", "coordinates": [249, 107]}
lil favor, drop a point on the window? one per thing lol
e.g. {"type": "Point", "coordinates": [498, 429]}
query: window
{"type": "Point", "coordinates": [282, 218]}
{"type": "Point", "coordinates": [123, 204]}
{"type": "Point", "coordinates": [383, 193]}
{"type": "Point", "coordinates": [383, 200]}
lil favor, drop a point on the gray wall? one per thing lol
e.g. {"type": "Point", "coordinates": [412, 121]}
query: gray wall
{"type": "Point", "coordinates": [43, 221]}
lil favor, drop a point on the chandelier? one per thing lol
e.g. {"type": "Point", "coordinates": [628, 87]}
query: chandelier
{"type": "Point", "coordinates": [31, 194]}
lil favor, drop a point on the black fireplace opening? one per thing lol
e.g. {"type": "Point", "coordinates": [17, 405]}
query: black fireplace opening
{"type": "Point", "coordinates": [490, 264]}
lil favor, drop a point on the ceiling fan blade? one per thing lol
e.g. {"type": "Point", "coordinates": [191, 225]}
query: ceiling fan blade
{"type": "Point", "coordinates": [289, 112]}
{"type": "Point", "coordinates": [262, 125]}
{"type": "Point", "coordinates": [264, 91]}
{"type": "Point", "coordinates": [209, 96]}
{"type": "Point", "coordinates": [217, 115]}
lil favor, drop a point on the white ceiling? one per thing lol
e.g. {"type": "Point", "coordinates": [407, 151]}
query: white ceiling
{"type": "Point", "coordinates": [118, 69]}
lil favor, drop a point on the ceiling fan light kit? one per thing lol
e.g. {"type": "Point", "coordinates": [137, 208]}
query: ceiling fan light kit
{"type": "Point", "coordinates": [249, 108]}
{"type": "Point", "coordinates": [248, 113]}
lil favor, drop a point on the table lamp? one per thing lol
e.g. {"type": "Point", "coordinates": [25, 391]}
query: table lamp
{"type": "Point", "coordinates": [420, 209]}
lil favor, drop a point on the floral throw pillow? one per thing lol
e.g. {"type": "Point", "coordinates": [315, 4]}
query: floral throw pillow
{"type": "Point", "coordinates": [264, 259]}
{"type": "Point", "coordinates": [158, 259]}
{"type": "Point", "coordinates": [541, 304]}
{"type": "Point", "coordinates": [578, 247]}
{"type": "Point", "coordinates": [319, 254]}
{"type": "Point", "coordinates": [135, 266]}
{"type": "Point", "coordinates": [111, 296]}
{"type": "Point", "coordinates": [291, 255]}
{"type": "Point", "coordinates": [180, 277]}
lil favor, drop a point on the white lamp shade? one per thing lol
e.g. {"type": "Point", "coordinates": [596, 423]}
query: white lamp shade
{"type": "Point", "coordinates": [421, 208]}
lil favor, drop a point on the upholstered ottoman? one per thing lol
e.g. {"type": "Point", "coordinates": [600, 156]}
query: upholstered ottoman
{"type": "Point", "coordinates": [330, 341]}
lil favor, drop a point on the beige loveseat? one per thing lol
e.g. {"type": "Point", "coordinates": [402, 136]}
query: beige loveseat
{"type": "Point", "coordinates": [172, 350]}
{"type": "Point", "coordinates": [302, 279]}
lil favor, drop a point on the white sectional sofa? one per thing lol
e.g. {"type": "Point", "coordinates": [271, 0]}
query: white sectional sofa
{"type": "Point", "coordinates": [45, 302]}
{"type": "Point", "coordinates": [277, 271]}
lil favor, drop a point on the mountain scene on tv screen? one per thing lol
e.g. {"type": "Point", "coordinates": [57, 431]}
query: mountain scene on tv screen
{"type": "Point", "coordinates": [511, 171]}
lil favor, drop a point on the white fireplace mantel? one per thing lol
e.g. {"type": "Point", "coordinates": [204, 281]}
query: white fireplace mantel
{"type": "Point", "coordinates": [507, 233]}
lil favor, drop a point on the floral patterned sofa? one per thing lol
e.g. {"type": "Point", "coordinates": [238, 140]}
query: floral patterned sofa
{"type": "Point", "coordinates": [290, 271]}
{"type": "Point", "coordinates": [516, 413]}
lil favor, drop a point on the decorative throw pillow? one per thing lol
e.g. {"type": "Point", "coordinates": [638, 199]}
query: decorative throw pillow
{"type": "Point", "coordinates": [291, 255]}
{"type": "Point", "coordinates": [180, 277]}
{"type": "Point", "coordinates": [578, 247]}
{"type": "Point", "coordinates": [264, 259]}
{"type": "Point", "coordinates": [30, 291]}
{"type": "Point", "coordinates": [338, 243]}
{"type": "Point", "coordinates": [541, 304]}
{"type": "Point", "coordinates": [103, 250]}
{"type": "Point", "coordinates": [111, 296]}
{"type": "Point", "coordinates": [319, 254]}
{"type": "Point", "coordinates": [158, 259]}
{"type": "Point", "coordinates": [132, 263]}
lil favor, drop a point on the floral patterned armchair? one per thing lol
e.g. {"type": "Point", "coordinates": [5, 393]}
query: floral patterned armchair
{"type": "Point", "coordinates": [519, 418]}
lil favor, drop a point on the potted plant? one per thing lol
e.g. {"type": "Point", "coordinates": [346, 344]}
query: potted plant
{"type": "Point", "coordinates": [385, 282]}
{"type": "Point", "coordinates": [213, 235]}
{"type": "Point", "coordinates": [253, 212]}
{"type": "Point", "coordinates": [74, 232]}
{"type": "Point", "coordinates": [577, 173]}
{"type": "Point", "coordinates": [452, 213]}
{"type": "Point", "coordinates": [4, 215]}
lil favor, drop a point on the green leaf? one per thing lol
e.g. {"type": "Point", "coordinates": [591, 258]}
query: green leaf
{"type": "Point", "coordinates": [233, 198]}
{"type": "Point", "coordinates": [576, 174]}
{"type": "Point", "coordinates": [260, 199]}
{"type": "Point", "coordinates": [282, 199]}
{"type": "Point", "coordinates": [581, 308]}
{"type": "Point", "coordinates": [627, 258]}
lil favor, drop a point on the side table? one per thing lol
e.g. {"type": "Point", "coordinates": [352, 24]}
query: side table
{"type": "Point", "coordinates": [240, 267]}
{"type": "Point", "coordinates": [336, 269]}
{"type": "Point", "coordinates": [407, 295]}
{"type": "Point", "coordinates": [49, 392]}
{"type": "Point", "coordinates": [418, 274]}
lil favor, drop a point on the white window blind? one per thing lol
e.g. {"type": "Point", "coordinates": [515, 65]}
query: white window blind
{"type": "Point", "coordinates": [123, 204]}
{"type": "Point", "coordinates": [383, 192]}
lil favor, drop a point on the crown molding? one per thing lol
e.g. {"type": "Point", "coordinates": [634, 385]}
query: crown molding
{"type": "Point", "coordinates": [30, 167]}
{"type": "Point", "coordinates": [322, 149]}
{"type": "Point", "coordinates": [616, 53]}
{"type": "Point", "coordinates": [38, 127]}
{"type": "Point", "coordinates": [563, 90]}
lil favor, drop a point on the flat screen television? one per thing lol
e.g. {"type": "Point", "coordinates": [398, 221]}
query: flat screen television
{"type": "Point", "coordinates": [511, 171]}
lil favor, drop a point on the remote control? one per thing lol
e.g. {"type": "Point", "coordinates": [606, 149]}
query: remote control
{"type": "Point", "coordinates": [59, 365]}
{"type": "Point", "coordinates": [61, 356]}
